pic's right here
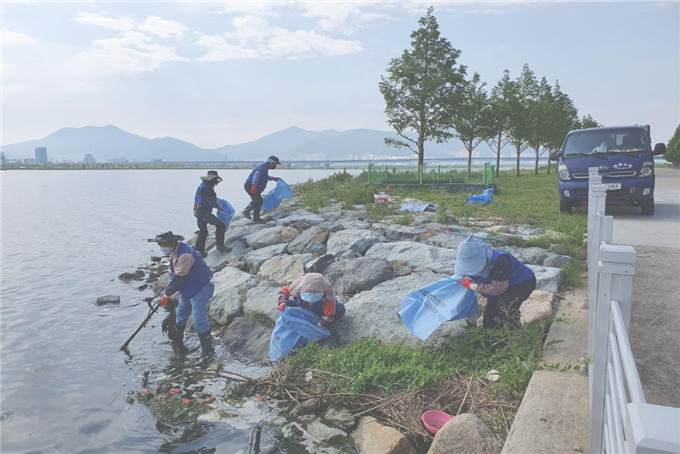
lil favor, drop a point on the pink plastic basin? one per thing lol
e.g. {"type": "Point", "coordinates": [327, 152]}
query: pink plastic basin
{"type": "Point", "coordinates": [434, 420]}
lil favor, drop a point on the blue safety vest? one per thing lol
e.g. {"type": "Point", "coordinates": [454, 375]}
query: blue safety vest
{"type": "Point", "coordinates": [259, 177]}
{"type": "Point", "coordinates": [199, 274]}
{"type": "Point", "coordinates": [519, 272]}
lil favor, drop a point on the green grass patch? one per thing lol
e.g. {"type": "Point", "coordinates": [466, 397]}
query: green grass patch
{"type": "Point", "coordinates": [366, 365]}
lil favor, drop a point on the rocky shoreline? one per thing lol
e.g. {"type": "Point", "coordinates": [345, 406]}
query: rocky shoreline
{"type": "Point", "coordinates": [372, 265]}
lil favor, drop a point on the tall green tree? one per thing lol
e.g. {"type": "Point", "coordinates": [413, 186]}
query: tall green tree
{"type": "Point", "coordinates": [540, 107]}
{"type": "Point", "coordinates": [422, 89]}
{"type": "Point", "coordinates": [472, 121]}
{"type": "Point", "coordinates": [672, 154]}
{"type": "Point", "coordinates": [521, 94]}
{"type": "Point", "coordinates": [562, 116]}
{"type": "Point", "coordinates": [586, 122]}
{"type": "Point", "coordinates": [499, 121]}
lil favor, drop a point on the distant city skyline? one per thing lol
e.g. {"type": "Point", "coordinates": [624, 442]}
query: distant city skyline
{"type": "Point", "coordinates": [217, 74]}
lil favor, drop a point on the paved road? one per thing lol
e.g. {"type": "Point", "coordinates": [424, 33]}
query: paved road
{"type": "Point", "coordinates": [655, 318]}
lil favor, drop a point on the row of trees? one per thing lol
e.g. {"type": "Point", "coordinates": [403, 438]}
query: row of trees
{"type": "Point", "coordinates": [426, 91]}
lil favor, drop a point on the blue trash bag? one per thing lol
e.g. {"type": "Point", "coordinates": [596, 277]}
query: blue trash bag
{"type": "Point", "coordinates": [274, 197]}
{"type": "Point", "coordinates": [418, 208]}
{"type": "Point", "coordinates": [226, 213]}
{"type": "Point", "coordinates": [294, 328]}
{"type": "Point", "coordinates": [423, 310]}
{"type": "Point", "coordinates": [485, 197]}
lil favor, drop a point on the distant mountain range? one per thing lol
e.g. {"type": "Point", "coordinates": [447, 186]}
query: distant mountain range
{"type": "Point", "coordinates": [109, 142]}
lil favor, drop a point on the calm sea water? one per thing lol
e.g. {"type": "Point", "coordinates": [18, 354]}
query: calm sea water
{"type": "Point", "coordinates": [66, 236]}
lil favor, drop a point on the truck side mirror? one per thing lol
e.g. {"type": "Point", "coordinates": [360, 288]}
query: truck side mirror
{"type": "Point", "coordinates": [659, 149]}
{"type": "Point", "coordinates": [554, 155]}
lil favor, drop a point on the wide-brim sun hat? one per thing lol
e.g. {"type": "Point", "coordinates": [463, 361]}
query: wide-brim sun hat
{"type": "Point", "coordinates": [212, 175]}
{"type": "Point", "coordinates": [472, 258]}
{"type": "Point", "coordinates": [274, 160]}
{"type": "Point", "coordinates": [311, 297]}
{"type": "Point", "coordinates": [166, 237]}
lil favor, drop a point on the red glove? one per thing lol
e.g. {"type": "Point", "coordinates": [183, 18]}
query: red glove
{"type": "Point", "coordinates": [253, 190]}
{"type": "Point", "coordinates": [467, 283]}
{"type": "Point", "coordinates": [164, 301]}
{"type": "Point", "coordinates": [282, 307]}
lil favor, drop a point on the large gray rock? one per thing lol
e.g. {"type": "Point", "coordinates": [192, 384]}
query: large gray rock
{"type": "Point", "coordinates": [270, 236]}
{"type": "Point", "coordinates": [346, 244]}
{"type": "Point", "coordinates": [417, 255]}
{"type": "Point", "coordinates": [247, 339]}
{"type": "Point", "coordinates": [374, 312]}
{"type": "Point", "coordinates": [403, 232]}
{"type": "Point", "coordinates": [230, 286]}
{"type": "Point", "coordinates": [371, 437]}
{"type": "Point", "coordinates": [283, 269]}
{"type": "Point", "coordinates": [319, 264]}
{"type": "Point", "coordinates": [356, 275]}
{"type": "Point", "coordinates": [217, 260]}
{"type": "Point", "coordinates": [530, 255]}
{"type": "Point", "coordinates": [340, 417]}
{"type": "Point", "coordinates": [446, 240]}
{"type": "Point", "coordinates": [237, 232]}
{"type": "Point", "coordinates": [547, 278]}
{"type": "Point", "coordinates": [312, 240]}
{"type": "Point", "coordinates": [254, 259]}
{"type": "Point", "coordinates": [262, 299]}
{"type": "Point", "coordinates": [300, 215]}
{"type": "Point", "coordinates": [465, 434]}
{"type": "Point", "coordinates": [355, 224]}
{"type": "Point", "coordinates": [538, 307]}
{"type": "Point", "coordinates": [557, 260]}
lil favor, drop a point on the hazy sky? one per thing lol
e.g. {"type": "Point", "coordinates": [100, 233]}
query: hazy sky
{"type": "Point", "coordinates": [221, 73]}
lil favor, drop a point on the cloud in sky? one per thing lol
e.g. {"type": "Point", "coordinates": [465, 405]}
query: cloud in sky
{"type": "Point", "coordinates": [222, 73]}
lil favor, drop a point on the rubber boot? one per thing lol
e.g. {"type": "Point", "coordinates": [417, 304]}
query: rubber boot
{"type": "Point", "coordinates": [246, 212]}
{"type": "Point", "coordinates": [206, 344]}
{"type": "Point", "coordinates": [178, 341]}
{"type": "Point", "coordinates": [200, 242]}
{"type": "Point", "coordinates": [219, 238]}
{"type": "Point", "coordinates": [256, 216]}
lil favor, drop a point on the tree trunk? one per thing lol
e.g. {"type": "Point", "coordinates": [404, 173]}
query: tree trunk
{"type": "Point", "coordinates": [498, 153]}
{"type": "Point", "coordinates": [536, 161]}
{"type": "Point", "coordinates": [548, 162]}
{"type": "Point", "coordinates": [469, 162]}
{"type": "Point", "coordinates": [518, 148]}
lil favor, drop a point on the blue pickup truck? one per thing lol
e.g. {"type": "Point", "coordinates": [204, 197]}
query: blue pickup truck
{"type": "Point", "coordinates": [624, 157]}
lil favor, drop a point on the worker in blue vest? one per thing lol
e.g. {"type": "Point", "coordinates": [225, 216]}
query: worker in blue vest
{"type": "Point", "coordinates": [501, 278]}
{"type": "Point", "coordinates": [255, 184]}
{"type": "Point", "coordinates": [204, 202]}
{"type": "Point", "coordinates": [191, 277]}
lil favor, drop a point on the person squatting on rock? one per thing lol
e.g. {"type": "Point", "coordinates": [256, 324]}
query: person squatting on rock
{"type": "Point", "coordinates": [204, 202]}
{"type": "Point", "coordinates": [314, 292]}
{"type": "Point", "coordinates": [501, 278]}
{"type": "Point", "coordinates": [255, 184]}
{"type": "Point", "coordinates": [190, 275]}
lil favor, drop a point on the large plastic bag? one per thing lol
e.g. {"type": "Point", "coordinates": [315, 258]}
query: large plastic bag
{"type": "Point", "coordinates": [226, 213]}
{"type": "Point", "coordinates": [295, 327]}
{"type": "Point", "coordinates": [418, 208]}
{"type": "Point", "coordinates": [423, 310]}
{"type": "Point", "coordinates": [274, 197]}
{"type": "Point", "coordinates": [485, 197]}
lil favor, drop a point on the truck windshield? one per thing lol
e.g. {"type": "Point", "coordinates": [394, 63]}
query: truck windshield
{"type": "Point", "coordinates": [598, 141]}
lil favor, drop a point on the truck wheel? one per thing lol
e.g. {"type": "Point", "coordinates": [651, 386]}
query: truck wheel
{"type": "Point", "coordinates": [565, 206]}
{"type": "Point", "coordinates": [647, 207]}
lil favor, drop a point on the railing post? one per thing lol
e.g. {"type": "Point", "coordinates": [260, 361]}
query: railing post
{"type": "Point", "coordinates": [597, 195]}
{"type": "Point", "coordinates": [615, 262]}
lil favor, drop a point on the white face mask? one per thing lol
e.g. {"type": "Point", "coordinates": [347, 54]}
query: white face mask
{"type": "Point", "coordinates": [166, 250]}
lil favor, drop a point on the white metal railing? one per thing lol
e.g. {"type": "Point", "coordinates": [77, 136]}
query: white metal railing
{"type": "Point", "coordinates": [620, 419]}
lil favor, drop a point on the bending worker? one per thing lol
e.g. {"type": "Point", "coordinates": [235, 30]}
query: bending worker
{"type": "Point", "coordinates": [501, 278]}
{"type": "Point", "coordinates": [255, 184]}
{"type": "Point", "coordinates": [204, 202]}
{"type": "Point", "coordinates": [313, 291]}
{"type": "Point", "coordinates": [189, 275]}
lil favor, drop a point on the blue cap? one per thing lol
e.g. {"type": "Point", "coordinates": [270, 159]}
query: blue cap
{"type": "Point", "coordinates": [311, 297]}
{"type": "Point", "coordinates": [472, 258]}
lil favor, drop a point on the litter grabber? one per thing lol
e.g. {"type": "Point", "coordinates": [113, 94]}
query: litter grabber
{"type": "Point", "coordinates": [152, 310]}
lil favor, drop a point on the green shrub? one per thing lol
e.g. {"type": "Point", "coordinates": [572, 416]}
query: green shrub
{"type": "Point", "coordinates": [672, 154]}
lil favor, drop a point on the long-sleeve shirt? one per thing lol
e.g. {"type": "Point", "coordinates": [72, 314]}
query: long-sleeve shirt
{"type": "Point", "coordinates": [313, 283]}
{"type": "Point", "coordinates": [500, 278]}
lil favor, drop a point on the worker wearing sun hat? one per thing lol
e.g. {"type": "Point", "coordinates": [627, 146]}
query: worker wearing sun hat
{"type": "Point", "coordinates": [314, 292]}
{"type": "Point", "coordinates": [255, 184]}
{"type": "Point", "coordinates": [497, 275]}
